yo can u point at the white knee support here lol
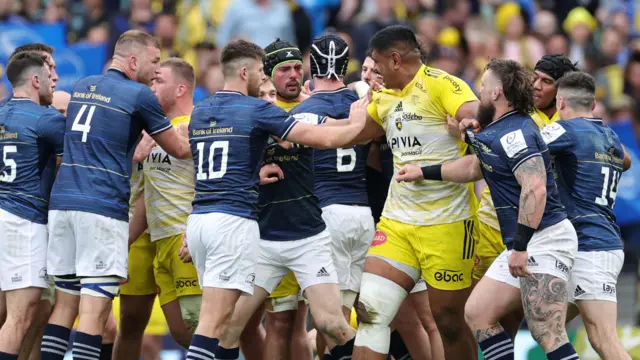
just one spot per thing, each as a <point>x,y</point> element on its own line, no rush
<point>381,299</point>
<point>106,287</point>
<point>190,308</point>
<point>348,298</point>
<point>68,284</point>
<point>285,303</point>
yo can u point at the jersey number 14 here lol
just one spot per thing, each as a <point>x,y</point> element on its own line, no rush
<point>611,189</point>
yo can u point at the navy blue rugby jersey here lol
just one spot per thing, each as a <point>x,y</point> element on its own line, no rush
<point>30,138</point>
<point>228,134</point>
<point>501,148</point>
<point>588,159</point>
<point>105,118</point>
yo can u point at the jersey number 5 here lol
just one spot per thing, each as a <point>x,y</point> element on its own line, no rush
<point>8,163</point>
<point>83,128</point>
<point>606,188</point>
<point>341,153</point>
<point>220,145</point>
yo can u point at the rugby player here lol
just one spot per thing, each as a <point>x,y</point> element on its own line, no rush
<point>229,133</point>
<point>89,202</point>
<point>589,160</point>
<point>426,228</point>
<point>541,242</point>
<point>25,193</point>
<point>287,312</point>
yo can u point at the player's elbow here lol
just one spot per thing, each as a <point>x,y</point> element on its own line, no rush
<point>626,164</point>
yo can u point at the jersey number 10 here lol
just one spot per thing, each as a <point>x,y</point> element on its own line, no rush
<point>606,188</point>
<point>211,174</point>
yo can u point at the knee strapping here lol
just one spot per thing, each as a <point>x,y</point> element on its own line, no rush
<point>379,302</point>
<point>69,284</point>
<point>285,303</point>
<point>348,298</point>
<point>106,287</point>
<point>190,309</point>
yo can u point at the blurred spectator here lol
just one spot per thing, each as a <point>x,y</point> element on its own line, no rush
<point>301,25</point>
<point>545,24</point>
<point>85,16</point>
<point>31,10</point>
<point>558,43</point>
<point>580,25</point>
<point>609,75</point>
<point>427,29</point>
<point>213,79</point>
<point>165,31</point>
<point>259,21</point>
<point>455,12</point>
<point>199,21</point>
<point>55,11</point>
<point>632,76</point>
<point>139,16</point>
<point>384,16</point>
<point>518,44</point>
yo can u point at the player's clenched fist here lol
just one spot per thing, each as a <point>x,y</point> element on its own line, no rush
<point>410,173</point>
<point>469,123</point>
<point>518,264</point>
<point>270,173</point>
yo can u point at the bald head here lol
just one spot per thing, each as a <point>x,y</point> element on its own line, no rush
<point>61,101</point>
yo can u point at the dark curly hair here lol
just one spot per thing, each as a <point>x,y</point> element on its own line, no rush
<point>517,84</point>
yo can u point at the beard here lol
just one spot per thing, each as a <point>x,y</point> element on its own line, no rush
<point>486,114</point>
<point>253,87</point>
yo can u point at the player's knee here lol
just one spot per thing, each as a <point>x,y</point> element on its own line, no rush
<point>281,323</point>
<point>104,287</point>
<point>601,336</point>
<point>471,313</point>
<point>377,306</point>
<point>190,310</point>
<point>69,284</point>
<point>450,324</point>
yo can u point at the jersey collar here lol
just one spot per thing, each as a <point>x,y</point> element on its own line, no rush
<point>594,119</point>
<point>19,98</point>
<point>330,91</point>
<point>118,71</point>
<point>504,116</point>
<point>228,92</point>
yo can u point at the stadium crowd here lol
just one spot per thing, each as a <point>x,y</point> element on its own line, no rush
<point>394,87</point>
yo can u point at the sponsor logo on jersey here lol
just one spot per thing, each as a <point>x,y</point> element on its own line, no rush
<point>420,87</point>
<point>404,141</point>
<point>186,283</point>
<point>562,267</point>
<point>224,277</point>
<point>322,272</point>
<point>448,275</point>
<point>16,278</point>
<point>456,87</point>
<point>531,261</point>
<point>578,292</point>
<point>7,135</point>
<point>609,289</point>
<point>379,238</point>
<point>399,124</point>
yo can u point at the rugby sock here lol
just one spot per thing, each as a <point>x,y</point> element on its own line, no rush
<point>86,346</point>
<point>498,347</point>
<point>340,352</point>
<point>202,348</point>
<point>564,352</point>
<point>5,356</point>
<point>106,351</point>
<point>227,354</point>
<point>55,342</point>
<point>398,349</point>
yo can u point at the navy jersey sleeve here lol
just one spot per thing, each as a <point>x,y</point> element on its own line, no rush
<point>558,140</point>
<point>51,127</point>
<point>153,118</point>
<point>518,146</point>
<point>274,120</point>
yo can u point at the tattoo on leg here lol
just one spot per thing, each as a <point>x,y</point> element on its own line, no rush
<point>544,299</point>
<point>484,334</point>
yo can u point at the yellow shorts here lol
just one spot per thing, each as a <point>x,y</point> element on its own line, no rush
<point>140,280</point>
<point>174,277</point>
<point>353,319</point>
<point>444,254</point>
<point>288,286</point>
<point>157,323</point>
<point>489,246</point>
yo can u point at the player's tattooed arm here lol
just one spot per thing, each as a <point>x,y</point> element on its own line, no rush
<point>544,298</point>
<point>532,177</point>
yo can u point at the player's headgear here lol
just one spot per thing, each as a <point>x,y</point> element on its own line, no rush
<point>329,56</point>
<point>278,52</point>
<point>555,65</point>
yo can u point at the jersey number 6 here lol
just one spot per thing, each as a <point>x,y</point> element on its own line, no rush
<point>220,145</point>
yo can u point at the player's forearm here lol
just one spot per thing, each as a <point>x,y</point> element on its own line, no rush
<point>144,147</point>
<point>138,222</point>
<point>532,177</point>
<point>340,136</point>
<point>463,170</point>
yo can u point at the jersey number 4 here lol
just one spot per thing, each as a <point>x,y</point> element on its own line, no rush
<point>612,189</point>
<point>83,128</point>
<point>9,164</point>
<point>222,146</point>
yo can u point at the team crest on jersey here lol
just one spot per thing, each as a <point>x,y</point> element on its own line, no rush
<point>399,124</point>
<point>92,88</point>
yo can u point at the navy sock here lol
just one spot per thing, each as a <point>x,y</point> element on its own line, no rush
<point>340,351</point>
<point>106,351</point>
<point>202,348</point>
<point>6,356</point>
<point>55,342</point>
<point>87,346</point>
<point>498,347</point>
<point>227,354</point>
<point>564,352</point>
<point>398,349</point>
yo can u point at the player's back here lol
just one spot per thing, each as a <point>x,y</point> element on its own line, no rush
<point>106,116</point>
<point>30,138</point>
<point>502,147</point>
<point>228,135</point>
<point>340,173</point>
<point>588,156</point>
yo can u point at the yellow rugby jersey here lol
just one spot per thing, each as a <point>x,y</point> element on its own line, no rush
<point>486,211</point>
<point>169,187</point>
<point>415,122</point>
<point>287,105</point>
<point>137,185</point>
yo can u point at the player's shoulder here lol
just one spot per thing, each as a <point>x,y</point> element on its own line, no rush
<point>51,113</point>
<point>438,77</point>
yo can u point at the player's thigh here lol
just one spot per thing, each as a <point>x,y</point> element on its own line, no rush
<point>552,251</point>
<point>594,276</point>
<point>488,246</point>
<point>599,316</point>
<point>140,279</point>
<point>311,261</point>
<point>490,300</point>
<point>61,251</point>
<point>101,246</point>
<point>272,269</point>
<point>225,249</point>
<point>446,253</point>
<point>23,259</point>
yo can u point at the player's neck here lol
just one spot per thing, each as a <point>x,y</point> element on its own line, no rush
<point>501,109</point>
<point>22,93</point>
<point>406,76</point>
<point>118,65</point>
<point>550,111</point>
<point>567,114</point>
<point>283,99</point>
<point>327,85</point>
<point>180,109</point>
<point>237,86</point>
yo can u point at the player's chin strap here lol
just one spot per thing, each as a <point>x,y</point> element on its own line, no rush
<point>331,59</point>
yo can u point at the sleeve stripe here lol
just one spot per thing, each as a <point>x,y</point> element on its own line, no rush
<point>286,132</point>
<point>161,130</point>
<point>525,159</point>
<point>322,120</point>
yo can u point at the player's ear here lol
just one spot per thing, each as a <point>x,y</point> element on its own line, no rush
<point>133,62</point>
<point>35,81</point>
<point>243,73</point>
<point>180,90</point>
<point>593,106</point>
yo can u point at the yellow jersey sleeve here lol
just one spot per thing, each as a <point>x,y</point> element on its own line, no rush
<point>372,108</point>
<point>487,211</point>
<point>451,92</point>
<point>137,185</point>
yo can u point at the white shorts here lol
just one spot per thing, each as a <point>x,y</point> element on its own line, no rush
<point>595,274</point>
<point>87,245</point>
<point>551,251</point>
<point>310,260</point>
<point>352,230</point>
<point>224,249</point>
<point>420,285</point>
<point>23,253</point>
